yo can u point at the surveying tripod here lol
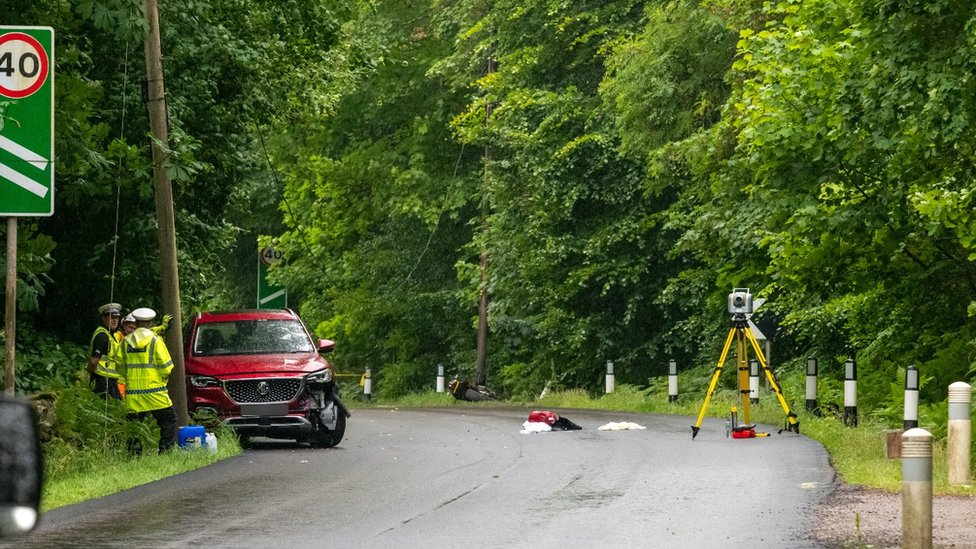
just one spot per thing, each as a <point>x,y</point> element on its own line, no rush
<point>741,333</point>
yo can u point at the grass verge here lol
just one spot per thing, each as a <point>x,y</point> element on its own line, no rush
<point>102,472</point>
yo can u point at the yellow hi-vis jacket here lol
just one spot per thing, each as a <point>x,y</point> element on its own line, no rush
<point>144,364</point>
<point>106,362</point>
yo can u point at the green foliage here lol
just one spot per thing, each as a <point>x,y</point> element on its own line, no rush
<point>403,378</point>
<point>44,361</point>
<point>34,261</point>
<point>621,166</point>
<point>377,204</point>
<point>668,82</point>
<point>82,419</point>
<point>830,118</point>
<point>523,382</point>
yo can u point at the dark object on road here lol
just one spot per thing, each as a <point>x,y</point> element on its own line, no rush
<point>260,372</point>
<point>462,390</point>
<point>563,424</point>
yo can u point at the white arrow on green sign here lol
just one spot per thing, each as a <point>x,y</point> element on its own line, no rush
<point>26,121</point>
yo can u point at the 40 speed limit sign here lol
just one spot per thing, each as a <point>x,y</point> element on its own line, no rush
<point>26,121</point>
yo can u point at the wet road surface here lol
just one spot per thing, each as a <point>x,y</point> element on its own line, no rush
<point>465,477</point>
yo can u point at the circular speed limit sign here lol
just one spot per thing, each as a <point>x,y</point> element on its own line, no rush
<point>270,256</point>
<point>23,65</point>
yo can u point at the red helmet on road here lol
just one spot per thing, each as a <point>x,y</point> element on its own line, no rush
<point>543,416</point>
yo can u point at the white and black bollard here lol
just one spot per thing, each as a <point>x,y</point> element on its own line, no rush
<point>440,378</point>
<point>911,397</point>
<point>916,489</point>
<point>850,393</point>
<point>960,433</point>
<point>368,385</point>
<point>672,381</point>
<point>609,377</point>
<point>753,381</point>
<point>811,384</point>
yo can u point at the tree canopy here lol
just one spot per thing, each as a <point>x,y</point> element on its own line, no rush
<point>621,164</point>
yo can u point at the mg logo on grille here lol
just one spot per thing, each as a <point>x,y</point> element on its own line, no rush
<point>263,388</point>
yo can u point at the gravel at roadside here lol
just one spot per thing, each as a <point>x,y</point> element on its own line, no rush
<point>953,519</point>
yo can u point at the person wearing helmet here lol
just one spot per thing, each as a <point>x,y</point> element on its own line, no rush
<point>128,326</point>
<point>144,365</point>
<point>101,352</point>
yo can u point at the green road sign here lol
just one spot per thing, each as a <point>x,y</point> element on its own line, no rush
<point>269,295</point>
<point>26,121</point>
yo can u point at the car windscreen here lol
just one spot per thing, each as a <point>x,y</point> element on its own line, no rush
<point>251,337</point>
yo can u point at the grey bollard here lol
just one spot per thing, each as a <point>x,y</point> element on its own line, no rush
<point>368,385</point>
<point>753,380</point>
<point>850,393</point>
<point>911,397</point>
<point>672,381</point>
<point>811,384</point>
<point>916,489</point>
<point>960,433</point>
<point>609,377</point>
<point>440,378</point>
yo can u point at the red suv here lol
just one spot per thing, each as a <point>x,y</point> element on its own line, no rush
<point>259,372</point>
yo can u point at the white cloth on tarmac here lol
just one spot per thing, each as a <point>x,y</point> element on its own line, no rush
<point>530,427</point>
<point>620,426</point>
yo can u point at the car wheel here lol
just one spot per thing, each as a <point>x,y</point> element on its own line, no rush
<point>339,431</point>
<point>329,438</point>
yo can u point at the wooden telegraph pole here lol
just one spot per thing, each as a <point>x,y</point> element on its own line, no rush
<point>169,271</point>
<point>481,356</point>
<point>10,314</point>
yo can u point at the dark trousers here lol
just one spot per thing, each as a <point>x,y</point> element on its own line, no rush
<point>107,387</point>
<point>166,419</point>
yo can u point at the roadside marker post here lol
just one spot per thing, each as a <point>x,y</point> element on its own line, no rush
<point>811,384</point>
<point>960,433</point>
<point>911,397</point>
<point>368,385</point>
<point>850,393</point>
<point>916,489</point>
<point>753,381</point>
<point>672,381</point>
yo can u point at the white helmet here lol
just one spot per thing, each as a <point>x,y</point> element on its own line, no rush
<point>144,314</point>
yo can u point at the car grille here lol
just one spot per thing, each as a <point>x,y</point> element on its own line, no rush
<point>278,389</point>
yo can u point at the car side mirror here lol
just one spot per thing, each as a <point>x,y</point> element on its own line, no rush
<point>21,467</point>
<point>326,346</point>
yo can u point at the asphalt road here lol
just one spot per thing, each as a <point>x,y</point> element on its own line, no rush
<point>465,477</point>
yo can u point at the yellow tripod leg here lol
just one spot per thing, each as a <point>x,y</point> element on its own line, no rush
<point>792,423</point>
<point>712,383</point>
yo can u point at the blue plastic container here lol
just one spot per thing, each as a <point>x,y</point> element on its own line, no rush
<point>192,436</point>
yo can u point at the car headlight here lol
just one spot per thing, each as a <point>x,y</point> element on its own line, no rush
<point>203,381</point>
<point>322,376</point>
